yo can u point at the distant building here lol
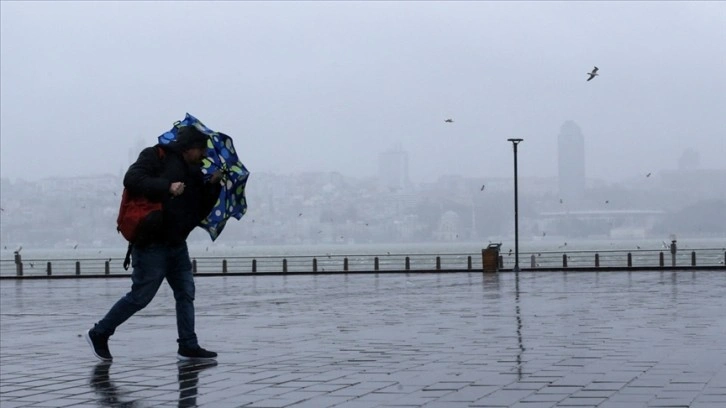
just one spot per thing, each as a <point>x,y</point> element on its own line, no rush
<point>448,229</point>
<point>571,163</point>
<point>690,160</point>
<point>393,169</point>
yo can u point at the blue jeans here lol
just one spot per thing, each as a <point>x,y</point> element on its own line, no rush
<point>151,264</point>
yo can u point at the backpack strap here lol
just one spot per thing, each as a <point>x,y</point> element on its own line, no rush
<point>127,260</point>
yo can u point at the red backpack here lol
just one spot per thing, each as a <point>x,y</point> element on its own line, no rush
<point>133,211</point>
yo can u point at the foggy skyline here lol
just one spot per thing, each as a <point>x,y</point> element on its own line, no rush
<point>328,86</point>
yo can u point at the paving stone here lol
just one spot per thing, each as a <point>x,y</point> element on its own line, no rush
<point>544,339</point>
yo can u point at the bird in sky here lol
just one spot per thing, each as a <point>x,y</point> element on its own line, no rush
<point>449,120</point>
<point>482,187</point>
<point>593,74</point>
<point>647,175</point>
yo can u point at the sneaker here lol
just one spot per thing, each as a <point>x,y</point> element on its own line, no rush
<point>99,345</point>
<point>197,353</point>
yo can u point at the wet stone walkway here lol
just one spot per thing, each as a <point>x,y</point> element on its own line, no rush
<point>532,340</point>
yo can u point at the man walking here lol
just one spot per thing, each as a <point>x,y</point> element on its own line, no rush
<point>173,178</point>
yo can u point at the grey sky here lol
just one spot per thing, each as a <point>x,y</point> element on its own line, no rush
<point>329,85</point>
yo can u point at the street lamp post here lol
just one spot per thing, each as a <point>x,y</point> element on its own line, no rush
<point>515,142</point>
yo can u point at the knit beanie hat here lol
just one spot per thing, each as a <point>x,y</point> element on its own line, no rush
<point>189,137</point>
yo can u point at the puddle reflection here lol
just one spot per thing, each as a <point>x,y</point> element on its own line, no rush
<point>188,380</point>
<point>518,314</point>
<point>113,396</point>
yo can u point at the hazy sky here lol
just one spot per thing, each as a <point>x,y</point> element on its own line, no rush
<point>329,85</point>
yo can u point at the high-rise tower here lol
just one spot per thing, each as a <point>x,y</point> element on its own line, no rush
<point>393,168</point>
<point>571,163</point>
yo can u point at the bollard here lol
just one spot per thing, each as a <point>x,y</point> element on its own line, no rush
<point>468,263</point>
<point>532,262</point>
<point>224,266</point>
<point>107,268</point>
<point>18,264</point>
<point>254,265</point>
<point>375,264</point>
<point>662,259</point>
<point>630,260</point>
<point>564,260</point>
<point>674,249</point>
<point>284,265</point>
<point>597,260</point>
<point>345,264</point>
<point>408,263</point>
<point>78,267</point>
<point>194,266</point>
<point>48,268</point>
<point>315,264</point>
<point>501,262</point>
<point>438,263</point>
<point>693,258</point>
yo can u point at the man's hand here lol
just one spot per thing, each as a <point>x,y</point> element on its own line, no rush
<point>216,176</point>
<point>176,188</point>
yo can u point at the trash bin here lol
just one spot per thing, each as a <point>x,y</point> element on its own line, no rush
<point>490,258</point>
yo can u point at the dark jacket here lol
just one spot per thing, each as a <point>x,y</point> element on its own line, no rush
<point>152,176</point>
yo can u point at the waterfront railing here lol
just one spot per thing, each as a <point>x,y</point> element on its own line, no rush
<point>702,258</point>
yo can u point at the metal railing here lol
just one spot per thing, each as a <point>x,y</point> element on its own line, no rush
<point>705,258</point>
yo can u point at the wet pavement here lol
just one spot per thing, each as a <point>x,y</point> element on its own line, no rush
<point>536,339</point>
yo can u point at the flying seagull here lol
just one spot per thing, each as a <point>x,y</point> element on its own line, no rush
<point>593,74</point>
<point>449,120</point>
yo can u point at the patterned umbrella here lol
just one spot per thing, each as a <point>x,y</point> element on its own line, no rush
<point>221,155</point>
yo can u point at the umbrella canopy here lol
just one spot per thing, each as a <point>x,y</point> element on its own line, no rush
<point>221,156</point>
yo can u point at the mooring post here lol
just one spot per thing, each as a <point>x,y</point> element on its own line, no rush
<point>18,264</point>
<point>673,252</point>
